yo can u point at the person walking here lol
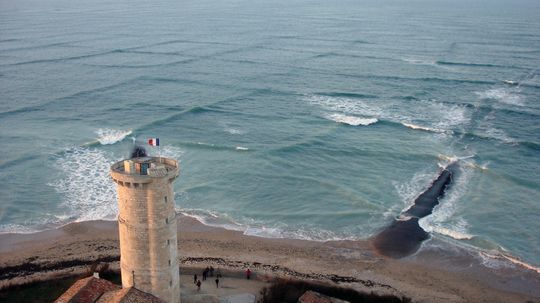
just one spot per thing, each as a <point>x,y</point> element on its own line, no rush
<point>217,282</point>
<point>248,274</point>
<point>198,285</point>
<point>211,271</point>
<point>205,274</point>
<point>195,279</point>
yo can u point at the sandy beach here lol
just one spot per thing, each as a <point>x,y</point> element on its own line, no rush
<point>439,274</point>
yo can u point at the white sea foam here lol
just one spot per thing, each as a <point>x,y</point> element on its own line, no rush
<point>417,61</point>
<point>18,228</point>
<point>242,148</point>
<point>205,144</point>
<point>465,161</point>
<point>494,260</point>
<point>487,129</point>
<point>253,228</point>
<point>351,120</point>
<point>456,234</point>
<point>110,136</point>
<point>447,160</point>
<point>86,185</point>
<point>403,218</point>
<point>212,218</point>
<point>264,232</point>
<point>517,261</point>
<point>346,105</point>
<point>448,116</point>
<point>281,231</point>
<point>424,128</point>
<point>234,131</point>
<point>508,95</point>
<point>425,115</point>
<point>500,135</point>
<point>170,151</point>
<point>511,82</point>
<point>442,220</point>
<point>411,189</point>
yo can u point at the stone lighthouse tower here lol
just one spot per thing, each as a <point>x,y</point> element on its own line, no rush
<point>147,225</point>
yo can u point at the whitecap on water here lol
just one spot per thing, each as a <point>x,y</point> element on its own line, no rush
<point>345,105</point>
<point>448,116</point>
<point>424,128</point>
<point>425,115</point>
<point>89,193</point>
<point>87,188</point>
<point>504,95</point>
<point>170,151</point>
<point>351,120</point>
<point>234,131</point>
<point>108,136</point>
<point>500,135</point>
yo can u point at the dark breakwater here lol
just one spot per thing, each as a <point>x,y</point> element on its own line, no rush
<point>404,235</point>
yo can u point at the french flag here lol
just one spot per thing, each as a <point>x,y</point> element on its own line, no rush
<point>153,141</point>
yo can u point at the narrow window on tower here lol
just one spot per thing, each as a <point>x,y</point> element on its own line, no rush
<point>167,221</point>
<point>169,262</point>
<point>168,242</point>
<point>170,283</point>
<point>165,199</point>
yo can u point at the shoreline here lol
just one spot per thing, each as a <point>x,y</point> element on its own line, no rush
<point>438,272</point>
<point>445,240</point>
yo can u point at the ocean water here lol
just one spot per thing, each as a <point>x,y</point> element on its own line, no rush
<point>300,119</point>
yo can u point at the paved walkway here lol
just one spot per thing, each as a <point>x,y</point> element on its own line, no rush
<point>228,286</point>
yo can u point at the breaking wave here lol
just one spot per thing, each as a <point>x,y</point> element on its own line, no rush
<point>108,136</point>
<point>443,220</point>
<point>87,190</point>
<point>272,231</point>
<point>434,116</point>
<point>424,128</point>
<point>351,120</point>
<point>86,185</point>
<point>410,190</point>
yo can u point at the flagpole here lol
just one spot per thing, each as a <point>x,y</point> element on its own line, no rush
<point>159,152</point>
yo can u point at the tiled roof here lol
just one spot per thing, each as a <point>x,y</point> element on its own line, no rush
<point>95,290</point>
<point>86,290</point>
<point>128,295</point>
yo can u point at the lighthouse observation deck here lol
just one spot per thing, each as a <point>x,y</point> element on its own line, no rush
<point>143,170</point>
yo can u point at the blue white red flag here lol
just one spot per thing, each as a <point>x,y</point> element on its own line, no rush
<point>153,141</point>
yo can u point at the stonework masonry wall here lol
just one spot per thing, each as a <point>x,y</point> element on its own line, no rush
<point>148,234</point>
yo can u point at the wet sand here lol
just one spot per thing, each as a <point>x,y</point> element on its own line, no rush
<point>438,273</point>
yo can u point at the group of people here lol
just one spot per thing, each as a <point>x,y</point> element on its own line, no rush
<point>207,272</point>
